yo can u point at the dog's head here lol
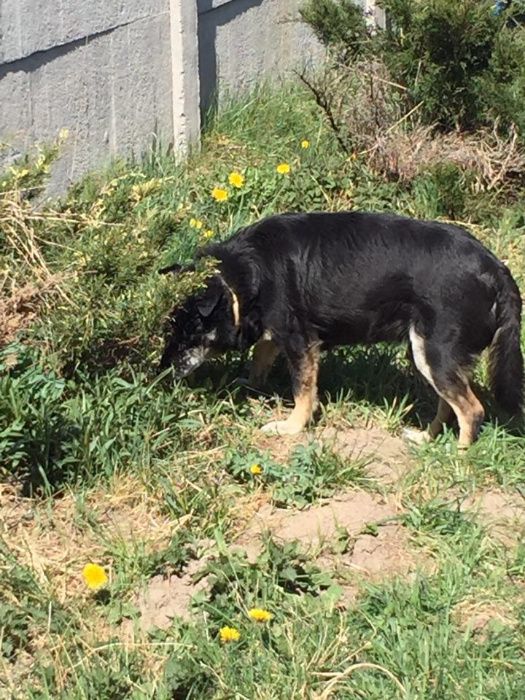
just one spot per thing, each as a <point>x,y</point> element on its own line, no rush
<point>207,323</point>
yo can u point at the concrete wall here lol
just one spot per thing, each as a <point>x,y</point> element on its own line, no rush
<point>120,73</point>
<point>243,41</point>
<point>101,68</point>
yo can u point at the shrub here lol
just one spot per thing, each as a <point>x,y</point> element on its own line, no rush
<point>442,51</point>
<point>371,118</point>
<point>340,25</point>
<point>460,62</point>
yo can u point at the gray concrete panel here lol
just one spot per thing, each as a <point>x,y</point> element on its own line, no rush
<point>120,73</point>
<point>113,94</point>
<point>245,41</point>
<point>28,26</point>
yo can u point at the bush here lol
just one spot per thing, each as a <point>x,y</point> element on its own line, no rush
<point>337,24</point>
<point>503,86</point>
<point>370,117</point>
<point>460,62</point>
<point>442,51</point>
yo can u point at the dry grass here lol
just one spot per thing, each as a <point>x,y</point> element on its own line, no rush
<point>405,154</point>
<point>55,539</point>
<point>22,293</point>
<point>476,613</point>
<point>19,304</point>
<point>367,113</point>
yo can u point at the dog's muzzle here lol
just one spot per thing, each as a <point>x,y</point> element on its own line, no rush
<point>186,362</point>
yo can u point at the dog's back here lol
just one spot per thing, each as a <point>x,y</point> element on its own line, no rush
<point>362,278</point>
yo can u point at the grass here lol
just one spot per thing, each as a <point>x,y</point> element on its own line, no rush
<point>102,460</point>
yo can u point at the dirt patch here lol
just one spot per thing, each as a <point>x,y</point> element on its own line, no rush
<point>168,597</point>
<point>381,550</point>
<point>496,505</point>
<point>385,455</point>
<point>387,459</point>
<point>502,513</point>
<point>378,545</point>
<point>388,553</point>
<point>319,523</point>
<point>477,616</point>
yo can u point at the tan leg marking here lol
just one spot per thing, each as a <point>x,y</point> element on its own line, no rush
<point>265,353</point>
<point>461,400</point>
<point>305,397</point>
<point>443,414</point>
<point>469,412</point>
<point>420,437</point>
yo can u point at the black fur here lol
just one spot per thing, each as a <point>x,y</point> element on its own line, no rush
<point>353,277</point>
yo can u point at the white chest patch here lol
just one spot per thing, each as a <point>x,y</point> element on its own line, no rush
<point>418,350</point>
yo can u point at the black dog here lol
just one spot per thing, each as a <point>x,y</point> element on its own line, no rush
<point>297,283</point>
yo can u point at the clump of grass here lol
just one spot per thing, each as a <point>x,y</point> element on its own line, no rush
<point>311,472</point>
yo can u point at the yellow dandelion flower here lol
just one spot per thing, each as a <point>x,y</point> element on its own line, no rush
<point>236,179</point>
<point>219,195</point>
<point>94,576</point>
<point>256,469</point>
<point>208,233</point>
<point>229,634</point>
<point>196,224</point>
<point>283,168</point>
<point>305,144</point>
<point>260,615</point>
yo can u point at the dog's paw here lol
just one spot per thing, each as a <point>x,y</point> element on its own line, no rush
<point>416,437</point>
<point>281,427</point>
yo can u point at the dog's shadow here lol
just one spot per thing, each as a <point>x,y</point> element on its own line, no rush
<point>379,376</point>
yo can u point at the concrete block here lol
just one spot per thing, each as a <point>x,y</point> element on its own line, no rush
<point>29,26</point>
<point>112,93</point>
<point>242,42</point>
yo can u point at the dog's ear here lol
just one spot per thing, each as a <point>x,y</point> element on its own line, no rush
<point>176,268</point>
<point>208,301</point>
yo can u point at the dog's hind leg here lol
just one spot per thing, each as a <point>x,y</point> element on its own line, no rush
<point>468,410</point>
<point>419,437</point>
<point>304,370</point>
<point>443,413</point>
<point>265,353</point>
<point>436,363</point>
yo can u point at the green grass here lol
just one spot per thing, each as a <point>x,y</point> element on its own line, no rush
<point>103,460</point>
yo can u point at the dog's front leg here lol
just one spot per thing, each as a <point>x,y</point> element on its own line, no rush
<point>265,353</point>
<point>303,369</point>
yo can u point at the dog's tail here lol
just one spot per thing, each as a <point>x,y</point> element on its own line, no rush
<point>505,357</point>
